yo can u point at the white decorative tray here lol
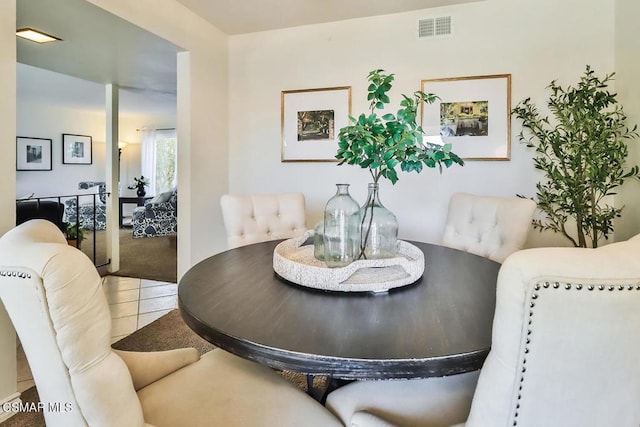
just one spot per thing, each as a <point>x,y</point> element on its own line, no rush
<point>296,263</point>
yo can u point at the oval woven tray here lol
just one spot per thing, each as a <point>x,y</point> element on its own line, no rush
<point>296,263</point>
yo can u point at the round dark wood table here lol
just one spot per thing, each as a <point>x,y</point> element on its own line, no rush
<point>441,325</point>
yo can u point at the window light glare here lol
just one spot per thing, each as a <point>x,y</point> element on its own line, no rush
<point>35,35</point>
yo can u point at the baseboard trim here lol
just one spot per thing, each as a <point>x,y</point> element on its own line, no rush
<point>13,399</point>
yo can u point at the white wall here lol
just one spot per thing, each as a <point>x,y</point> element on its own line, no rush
<point>43,114</point>
<point>534,41</point>
<point>40,120</point>
<point>628,87</point>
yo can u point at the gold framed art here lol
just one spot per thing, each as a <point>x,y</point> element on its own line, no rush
<point>311,121</point>
<point>473,114</point>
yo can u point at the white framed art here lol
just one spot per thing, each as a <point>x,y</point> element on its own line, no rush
<point>33,154</point>
<point>311,121</point>
<point>76,149</point>
<point>473,114</point>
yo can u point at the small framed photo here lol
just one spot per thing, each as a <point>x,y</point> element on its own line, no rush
<point>473,114</point>
<point>33,154</point>
<point>76,149</point>
<point>311,121</point>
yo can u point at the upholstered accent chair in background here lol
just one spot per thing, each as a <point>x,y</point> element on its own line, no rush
<point>257,218</point>
<point>564,352</point>
<point>54,297</point>
<point>91,208</point>
<point>158,217</point>
<point>492,227</point>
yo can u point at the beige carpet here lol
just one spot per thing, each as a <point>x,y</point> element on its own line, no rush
<point>152,258</point>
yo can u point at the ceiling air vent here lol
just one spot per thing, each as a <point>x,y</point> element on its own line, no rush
<point>439,26</point>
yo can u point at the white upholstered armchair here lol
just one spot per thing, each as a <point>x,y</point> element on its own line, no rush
<point>54,298</point>
<point>492,227</point>
<point>564,352</point>
<point>257,218</point>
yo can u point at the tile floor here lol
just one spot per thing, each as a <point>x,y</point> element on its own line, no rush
<point>133,302</point>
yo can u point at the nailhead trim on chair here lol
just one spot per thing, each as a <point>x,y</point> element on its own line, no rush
<point>19,274</point>
<point>534,296</point>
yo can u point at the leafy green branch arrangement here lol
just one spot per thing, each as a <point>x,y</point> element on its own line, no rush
<point>582,155</point>
<point>382,143</point>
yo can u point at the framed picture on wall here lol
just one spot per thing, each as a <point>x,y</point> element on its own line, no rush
<point>473,114</point>
<point>33,154</point>
<point>311,121</point>
<point>76,149</point>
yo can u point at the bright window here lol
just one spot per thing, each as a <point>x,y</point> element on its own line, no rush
<point>166,161</point>
<point>159,159</point>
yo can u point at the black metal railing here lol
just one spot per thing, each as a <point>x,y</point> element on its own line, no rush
<point>56,210</point>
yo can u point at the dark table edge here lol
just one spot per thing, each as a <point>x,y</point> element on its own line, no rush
<point>336,367</point>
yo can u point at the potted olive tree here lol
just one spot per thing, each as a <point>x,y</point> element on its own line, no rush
<point>582,153</point>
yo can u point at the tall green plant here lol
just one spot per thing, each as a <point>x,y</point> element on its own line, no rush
<point>380,144</point>
<point>582,155</point>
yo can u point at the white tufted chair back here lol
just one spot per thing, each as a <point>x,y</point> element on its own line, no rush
<point>260,217</point>
<point>50,310</point>
<point>565,340</point>
<point>492,227</point>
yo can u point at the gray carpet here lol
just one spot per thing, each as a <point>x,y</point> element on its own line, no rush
<point>152,258</point>
<point>166,333</point>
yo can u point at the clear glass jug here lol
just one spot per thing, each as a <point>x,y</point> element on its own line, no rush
<point>379,229</point>
<point>341,228</point>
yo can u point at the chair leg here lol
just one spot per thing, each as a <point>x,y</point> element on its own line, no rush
<point>330,384</point>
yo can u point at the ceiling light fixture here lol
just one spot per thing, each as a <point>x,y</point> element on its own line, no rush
<point>36,36</point>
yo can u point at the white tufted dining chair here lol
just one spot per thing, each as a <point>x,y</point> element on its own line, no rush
<point>55,300</point>
<point>492,227</point>
<point>254,218</point>
<point>564,352</point>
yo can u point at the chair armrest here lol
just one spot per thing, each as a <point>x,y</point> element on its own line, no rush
<point>162,206</point>
<point>138,213</point>
<point>148,367</point>
<point>367,419</point>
